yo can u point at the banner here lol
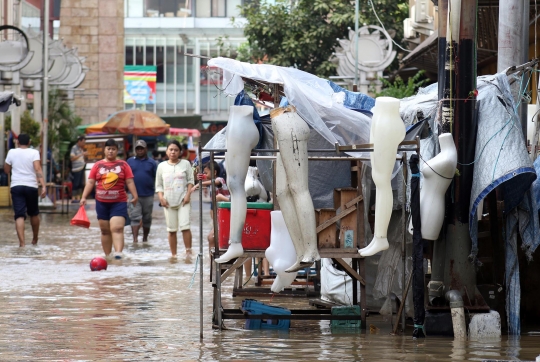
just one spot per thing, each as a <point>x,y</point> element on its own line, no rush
<point>139,84</point>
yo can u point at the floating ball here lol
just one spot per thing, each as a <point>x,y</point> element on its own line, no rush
<point>98,263</point>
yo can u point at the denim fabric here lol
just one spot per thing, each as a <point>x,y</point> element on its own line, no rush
<point>106,210</point>
<point>242,99</point>
<point>536,183</point>
<point>353,100</point>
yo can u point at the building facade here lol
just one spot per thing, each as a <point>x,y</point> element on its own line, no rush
<point>163,34</point>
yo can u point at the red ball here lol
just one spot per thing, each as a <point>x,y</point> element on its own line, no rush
<point>98,263</point>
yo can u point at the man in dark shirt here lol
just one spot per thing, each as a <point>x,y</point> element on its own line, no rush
<point>144,172</point>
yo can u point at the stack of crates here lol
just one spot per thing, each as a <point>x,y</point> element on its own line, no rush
<point>253,307</point>
<point>346,310</point>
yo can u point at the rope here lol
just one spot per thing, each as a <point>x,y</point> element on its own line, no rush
<point>194,272</point>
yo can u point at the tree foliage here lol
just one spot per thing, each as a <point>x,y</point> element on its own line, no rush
<point>399,89</point>
<point>304,33</point>
<point>63,121</point>
<point>28,126</point>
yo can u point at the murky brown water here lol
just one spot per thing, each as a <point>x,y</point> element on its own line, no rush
<point>54,308</point>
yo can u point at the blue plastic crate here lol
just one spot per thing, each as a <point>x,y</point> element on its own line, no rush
<point>253,307</point>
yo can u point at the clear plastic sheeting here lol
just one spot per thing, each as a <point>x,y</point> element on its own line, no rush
<point>312,96</point>
<point>389,273</point>
<point>337,286</point>
<point>6,98</point>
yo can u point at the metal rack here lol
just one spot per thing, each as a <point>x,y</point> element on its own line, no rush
<point>266,92</point>
<point>356,272</point>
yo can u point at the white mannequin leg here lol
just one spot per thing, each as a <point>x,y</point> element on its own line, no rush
<point>387,132</point>
<point>280,253</point>
<point>292,134</point>
<point>242,137</point>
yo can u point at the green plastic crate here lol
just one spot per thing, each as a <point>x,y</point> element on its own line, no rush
<point>250,205</point>
<point>346,310</point>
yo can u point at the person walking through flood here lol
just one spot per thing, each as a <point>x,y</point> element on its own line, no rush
<point>111,176</point>
<point>77,157</point>
<point>24,165</point>
<point>144,172</point>
<point>174,181</point>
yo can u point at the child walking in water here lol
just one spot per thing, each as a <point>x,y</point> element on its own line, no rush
<point>222,192</point>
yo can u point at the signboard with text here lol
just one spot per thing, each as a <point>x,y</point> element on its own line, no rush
<point>140,84</point>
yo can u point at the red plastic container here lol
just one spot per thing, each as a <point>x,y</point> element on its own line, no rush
<point>256,235</point>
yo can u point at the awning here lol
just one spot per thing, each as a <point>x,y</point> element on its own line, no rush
<point>184,132</point>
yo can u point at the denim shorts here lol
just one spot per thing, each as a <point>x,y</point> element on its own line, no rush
<point>106,210</point>
<point>25,201</point>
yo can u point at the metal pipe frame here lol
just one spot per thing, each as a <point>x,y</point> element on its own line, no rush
<point>219,313</point>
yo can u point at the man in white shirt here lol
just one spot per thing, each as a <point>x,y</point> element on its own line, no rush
<point>25,167</point>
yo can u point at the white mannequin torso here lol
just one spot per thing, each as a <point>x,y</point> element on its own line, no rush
<point>434,187</point>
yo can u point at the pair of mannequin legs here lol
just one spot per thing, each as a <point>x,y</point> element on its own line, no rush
<point>292,192</point>
<point>292,134</point>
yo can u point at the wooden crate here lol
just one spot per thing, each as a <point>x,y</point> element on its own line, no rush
<point>347,230</point>
<point>5,196</point>
<point>327,238</point>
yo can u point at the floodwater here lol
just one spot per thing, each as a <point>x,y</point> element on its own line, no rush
<point>146,307</point>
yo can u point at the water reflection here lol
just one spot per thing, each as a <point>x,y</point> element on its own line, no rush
<point>141,307</point>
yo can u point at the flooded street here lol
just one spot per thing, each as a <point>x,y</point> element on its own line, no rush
<point>142,308</point>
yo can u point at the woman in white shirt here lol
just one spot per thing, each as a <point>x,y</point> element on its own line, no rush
<point>174,180</point>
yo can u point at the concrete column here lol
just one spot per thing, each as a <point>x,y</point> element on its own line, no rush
<point>197,77</point>
<point>513,46</point>
<point>96,29</point>
<point>2,140</point>
<point>37,107</point>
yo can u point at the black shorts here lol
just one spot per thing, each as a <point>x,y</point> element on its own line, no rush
<point>78,180</point>
<point>25,201</point>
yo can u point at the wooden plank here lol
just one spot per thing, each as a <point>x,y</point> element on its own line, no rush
<point>326,238</point>
<point>348,228</point>
<point>239,262</point>
<point>349,270</point>
<point>354,201</point>
<point>331,221</point>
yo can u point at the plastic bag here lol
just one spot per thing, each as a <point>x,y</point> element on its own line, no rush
<point>80,218</point>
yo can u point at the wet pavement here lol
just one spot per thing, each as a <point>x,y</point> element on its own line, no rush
<point>144,307</point>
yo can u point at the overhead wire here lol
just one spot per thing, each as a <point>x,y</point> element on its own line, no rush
<point>382,25</point>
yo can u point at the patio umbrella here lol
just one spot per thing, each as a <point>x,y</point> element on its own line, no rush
<point>136,122</point>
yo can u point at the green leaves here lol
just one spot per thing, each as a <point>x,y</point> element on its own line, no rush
<point>399,89</point>
<point>304,35</point>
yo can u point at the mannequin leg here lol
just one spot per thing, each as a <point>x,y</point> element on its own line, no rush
<point>382,219</point>
<point>292,134</point>
<point>288,209</point>
<point>242,137</point>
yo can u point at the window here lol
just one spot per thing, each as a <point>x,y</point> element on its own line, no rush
<point>218,8</point>
<point>158,8</point>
